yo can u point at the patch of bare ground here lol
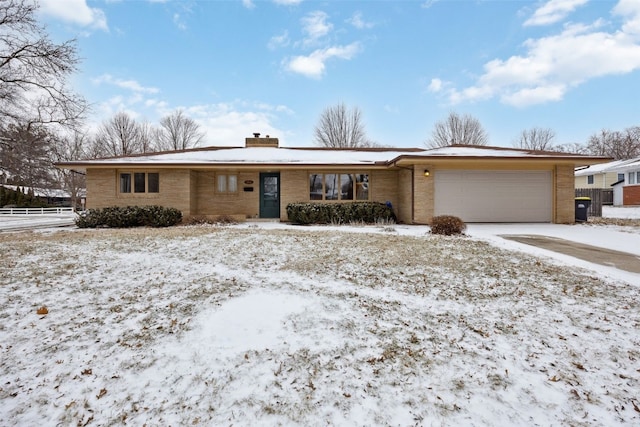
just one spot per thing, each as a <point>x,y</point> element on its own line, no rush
<point>622,222</point>
<point>400,330</point>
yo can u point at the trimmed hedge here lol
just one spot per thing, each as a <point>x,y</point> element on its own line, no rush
<point>339,213</point>
<point>129,216</point>
<point>447,225</point>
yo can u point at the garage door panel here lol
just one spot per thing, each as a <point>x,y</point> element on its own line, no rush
<point>494,196</point>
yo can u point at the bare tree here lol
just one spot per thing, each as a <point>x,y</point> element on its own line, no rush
<point>456,129</point>
<point>34,70</point>
<point>340,127</point>
<point>71,147</point>
<point>572,148</point>
<point>536,139</point>
<point>616,144</point>
<point>148,136</point>
<point>119,136</point>
<point>178,132</point>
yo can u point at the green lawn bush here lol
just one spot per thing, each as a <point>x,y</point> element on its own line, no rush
<point>129,216</point>
<point>340,213</point>
<point>447,225</point>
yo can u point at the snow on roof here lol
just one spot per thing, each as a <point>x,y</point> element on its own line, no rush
<point>258,155</point>
<point>604,167</point>
<point>313,156</point>
<point>629,165</point>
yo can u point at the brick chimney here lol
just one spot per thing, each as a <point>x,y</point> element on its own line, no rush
<point>256,141</point>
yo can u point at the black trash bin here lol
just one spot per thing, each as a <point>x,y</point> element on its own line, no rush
<point>582,206</point>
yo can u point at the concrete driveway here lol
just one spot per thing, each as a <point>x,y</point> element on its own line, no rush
<point>597,255</point>
<point>601,248</point>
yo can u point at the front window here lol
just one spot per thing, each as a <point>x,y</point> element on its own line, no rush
<point>140,181</point>
<point>589,179</point>
<point>632,177</point>
<point>338,186</point>
<point>226,183</point>
<point>125,183</point>
<point>362,187</point>
<point>620,177</point>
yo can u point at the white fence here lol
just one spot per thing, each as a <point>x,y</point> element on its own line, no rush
<point>36,211</point>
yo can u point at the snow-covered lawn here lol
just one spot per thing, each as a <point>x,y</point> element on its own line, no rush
<point>251,325</point>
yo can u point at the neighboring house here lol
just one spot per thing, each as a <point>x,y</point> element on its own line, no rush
<point>631,186</point>
<point>602,175</point>
<point>478,184</point>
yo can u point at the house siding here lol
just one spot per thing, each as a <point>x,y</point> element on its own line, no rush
<point>294,188</point>
<point>404,208</point>
<point>175,186</point>
<point>600,180</point>
<point>424,190</point>
<point>241,204</point>
<point>564,191</point>
<point>631,195</point>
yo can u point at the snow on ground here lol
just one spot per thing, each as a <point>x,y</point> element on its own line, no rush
<point>271,324</point>
<point>621,212</point>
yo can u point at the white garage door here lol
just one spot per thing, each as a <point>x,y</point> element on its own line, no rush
<point>494,196</point>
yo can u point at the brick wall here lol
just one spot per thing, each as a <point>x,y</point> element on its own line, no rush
<point>631,195</point>
<point>564,195</point>
<point>404,208</point>
<point>240,204</point>
<point>175,185</point>
<point>423,189</point>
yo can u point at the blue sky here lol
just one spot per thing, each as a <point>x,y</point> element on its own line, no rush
<point>273,66</point>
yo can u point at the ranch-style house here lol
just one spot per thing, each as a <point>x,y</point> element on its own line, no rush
<point>475,183</point>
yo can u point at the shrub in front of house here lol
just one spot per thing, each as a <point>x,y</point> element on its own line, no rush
<point>447,225</point>
<point>340,213</point>
<point>129,216</point>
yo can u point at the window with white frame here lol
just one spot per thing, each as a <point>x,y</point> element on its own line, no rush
<point>620,177</point>
<point>632,177</point>
<point>226,183</point>
<point>589,179</point>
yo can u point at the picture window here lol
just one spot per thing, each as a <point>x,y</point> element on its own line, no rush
<point>338,186</point>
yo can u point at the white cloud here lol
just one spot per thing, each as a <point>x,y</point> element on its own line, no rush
<point>313,65</point>
<point>555,64</point>
<point>287,2</point>
<point>435,85</point>
<point>554,11</point>
<point>76,12</point>
<point>357,21</point>
<point>228,124</point>
<point>427,4</point>
<point>281,40</point>
<point>248,4</point>
<point>315,25</point>
<point>537,95</point>
<point>131,85</point>
<point>179,21</point>
<point>631,10</point>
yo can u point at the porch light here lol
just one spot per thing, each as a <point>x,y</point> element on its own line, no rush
<point>427,173</point>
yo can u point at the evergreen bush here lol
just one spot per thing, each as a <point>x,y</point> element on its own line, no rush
<point>129,216</point>
<point>340,213</point>
<point>447,225</point>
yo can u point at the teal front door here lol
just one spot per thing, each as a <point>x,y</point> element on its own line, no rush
<point>270,195</point>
